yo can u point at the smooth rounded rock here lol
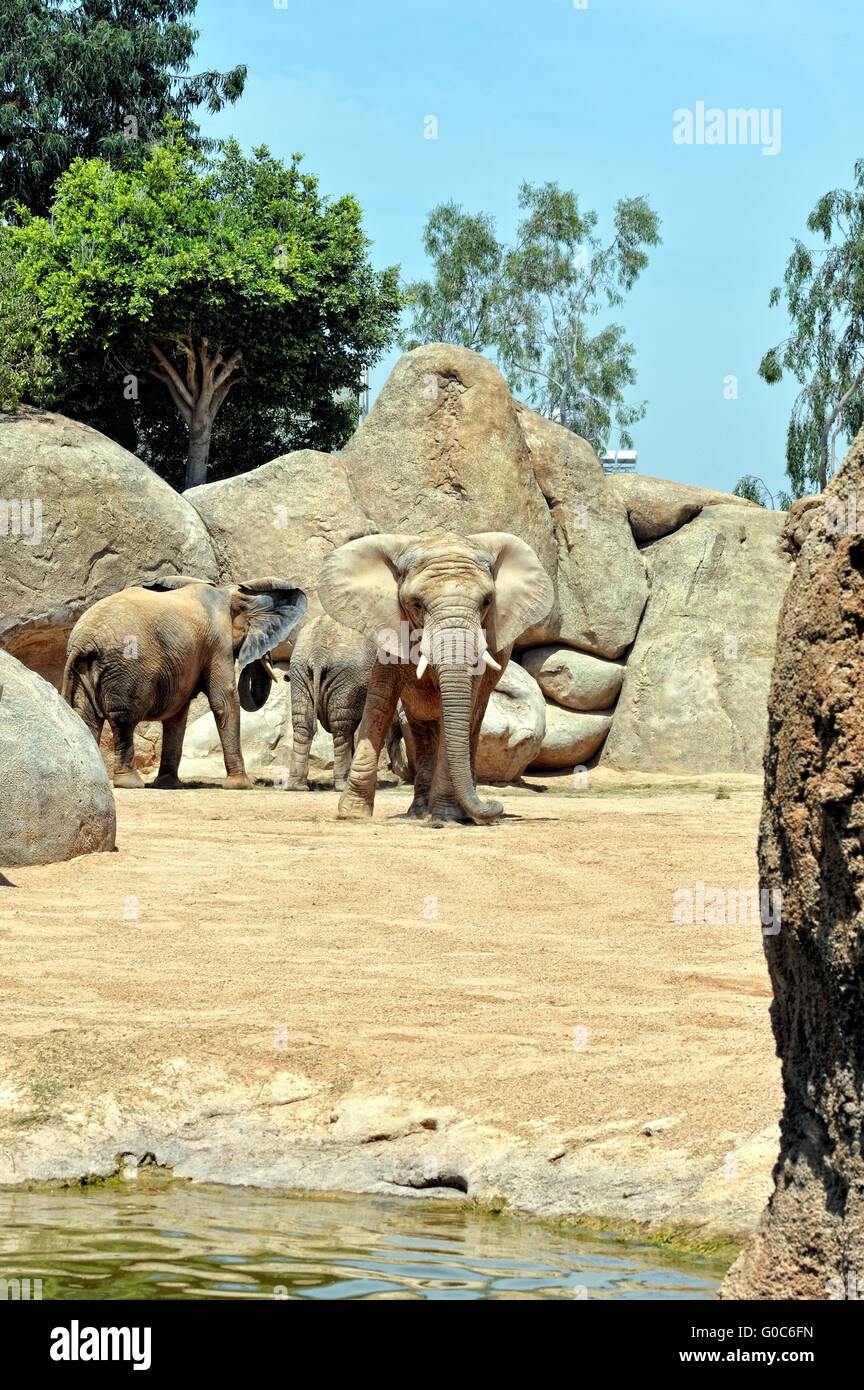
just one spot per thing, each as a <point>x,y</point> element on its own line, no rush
<point>513,728</point>
<point>55,798</point>
<point>577,680</point>
<point>572,737</point>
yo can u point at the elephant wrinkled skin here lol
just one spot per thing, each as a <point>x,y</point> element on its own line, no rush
<point>330,669</point>
<point>444,611</point>
<point>146,652</point>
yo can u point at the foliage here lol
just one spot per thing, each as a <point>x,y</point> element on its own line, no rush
<point>206,276</point>
<point>534,304</point>
<point>824,292</point>
<point>95,78</point>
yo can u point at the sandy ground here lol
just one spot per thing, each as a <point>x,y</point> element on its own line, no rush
<point>255,992</point>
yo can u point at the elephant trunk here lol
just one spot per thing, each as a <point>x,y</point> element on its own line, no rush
<point>456,676</point>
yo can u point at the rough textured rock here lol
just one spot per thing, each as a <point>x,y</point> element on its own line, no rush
<point>283,519</point>
<point>572,737</point>
<point>810,1243</point>
<point>799,519</point>
<point>574,679</point>
<point>514,727</point>
<point>446,445</point>
<point>695,691</point>
<point>656,506</point>
<point>265,736</point>
<point>104,521</point>
<point>55,798</point>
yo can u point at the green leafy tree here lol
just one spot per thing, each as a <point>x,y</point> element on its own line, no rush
<point>535,305</point>
<point>824,352</point>
<point>461,303</point>
<point>22,361</point>
<point>210,279</point>
<point>94,78</point>
<point>754,489</point>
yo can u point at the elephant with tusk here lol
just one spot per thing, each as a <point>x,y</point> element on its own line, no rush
<point>444,611</point>
<point>146,652</point>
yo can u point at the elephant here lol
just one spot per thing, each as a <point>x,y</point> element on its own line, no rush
<point>147,651</point>
<point>329,676</point>
<point>444,611</point>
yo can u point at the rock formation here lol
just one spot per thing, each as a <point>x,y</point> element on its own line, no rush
<point>810,1243</point>
<point>695,691</point>
<point>80,518</point>
<point>283,519</point>
<point>55,797</point>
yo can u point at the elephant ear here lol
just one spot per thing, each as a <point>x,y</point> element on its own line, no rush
<point>254,686</point>
<point>523,590</point>
<point>171,582</point>
<point>359,586</point>
<point>263,612</point>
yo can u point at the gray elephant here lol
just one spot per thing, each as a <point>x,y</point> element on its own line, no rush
<point>330,669</point>
<point>444,611</point>
<point>146,652</point>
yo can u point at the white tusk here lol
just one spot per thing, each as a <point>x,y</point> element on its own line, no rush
<point>265,662</point>
<point>490,661</point>
<point>421,666</point>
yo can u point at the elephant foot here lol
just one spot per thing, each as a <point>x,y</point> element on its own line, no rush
<point>296,785</point>
<point>418,810</point>
<point>340,785</point>
<point>129,778</point>
<point>353,807</point>
<point>449,811</point>
<point>167,781</point>
<point>238,781</point>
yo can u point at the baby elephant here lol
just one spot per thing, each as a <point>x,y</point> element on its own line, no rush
<point>146,652</point>
<point>330,668</point>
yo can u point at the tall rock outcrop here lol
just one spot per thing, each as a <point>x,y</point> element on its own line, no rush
<point>447,447</point>
<point>810,1243</point>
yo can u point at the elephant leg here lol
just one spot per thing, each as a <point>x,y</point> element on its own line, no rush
<point>303,731</point>
<point>125,772</point>
<point>426,741</point>
<point>358,799</point>
<point>221,692</point>
<point>172,750</point>
<point>343,749</point>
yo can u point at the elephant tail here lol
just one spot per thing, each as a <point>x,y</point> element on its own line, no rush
<point>316,693</point>
<point>75,674</point>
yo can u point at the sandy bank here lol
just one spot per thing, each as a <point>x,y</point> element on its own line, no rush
<point>256,993</point>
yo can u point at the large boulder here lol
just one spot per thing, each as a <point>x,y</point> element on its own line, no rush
<point>810,1243</point>
<point>656,506</point>
<point>80,519</point>
<point>55,797</point>
<point>574,679</point>
<point>284,519</point>
<point>513,728</point>
<point>446,446</point>
<point>572,738</point>
<point>695,691</point>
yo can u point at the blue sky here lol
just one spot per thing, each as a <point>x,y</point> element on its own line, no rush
<point>546,89</point>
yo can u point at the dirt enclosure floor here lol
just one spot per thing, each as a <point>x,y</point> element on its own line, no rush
<point>250,991</point>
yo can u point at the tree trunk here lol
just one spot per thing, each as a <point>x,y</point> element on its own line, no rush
<point>197,394</point>
<point>198,455</point>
